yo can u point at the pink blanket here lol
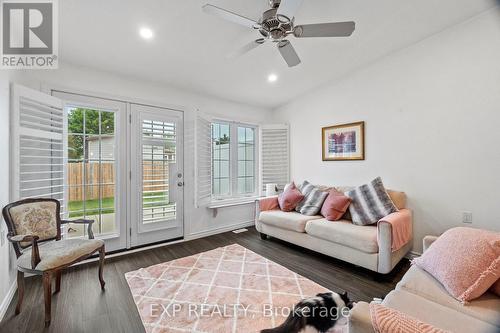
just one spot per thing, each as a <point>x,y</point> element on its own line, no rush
<point>269,203</point>
<point>387,320</point>
<point>401,228</point>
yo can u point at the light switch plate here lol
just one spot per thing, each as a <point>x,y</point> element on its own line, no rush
<point>467,217</point>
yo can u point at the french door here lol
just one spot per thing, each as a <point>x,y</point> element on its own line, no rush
<point>157,174</point>
<point>95,162</point>
<point>124,170</point>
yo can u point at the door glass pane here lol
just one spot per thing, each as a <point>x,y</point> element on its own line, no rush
<point>91,170</point>
<point>158,156</point>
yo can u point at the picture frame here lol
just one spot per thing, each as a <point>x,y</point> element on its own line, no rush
<point>345,142</point>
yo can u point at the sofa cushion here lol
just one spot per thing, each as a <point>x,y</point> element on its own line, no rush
<point>465,260</point>
<point>495,288</point>
<point>313,202</point>
<point>436,314</point>
<point>344,189</point>
<point>388,320</point>
<point>286,220</point>
<point>335,205</point>
<point>399,198</point>
<point>362,238</point>
<point>370,203</point>
<point>290,197</point>
<point>305,188</point>
<point>419,282</point>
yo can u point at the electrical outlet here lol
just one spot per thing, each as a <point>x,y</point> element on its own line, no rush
<point>466,217</point>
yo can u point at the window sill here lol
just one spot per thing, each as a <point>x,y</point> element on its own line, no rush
<point>215,205</point>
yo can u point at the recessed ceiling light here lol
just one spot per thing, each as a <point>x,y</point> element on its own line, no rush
<point>272,78</point>
<point>146,33</point>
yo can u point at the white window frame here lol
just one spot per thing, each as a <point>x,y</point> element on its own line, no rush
<point>233,161</point>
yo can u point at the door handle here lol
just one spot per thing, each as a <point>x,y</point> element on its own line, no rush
<point>180,184</point>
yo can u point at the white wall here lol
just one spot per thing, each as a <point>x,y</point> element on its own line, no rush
<point>198,222</point>
<point>7,263</point>
<point>432,114</point>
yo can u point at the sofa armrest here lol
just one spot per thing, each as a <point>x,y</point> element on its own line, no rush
<point>428,240</point>
<point>394,232</point>
<point>263,204</point>
<point>395,229</point>
<point>268,203</point>
<point>359,319</point>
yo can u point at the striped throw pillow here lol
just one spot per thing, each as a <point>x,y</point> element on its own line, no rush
<point>370,203</point>
<point>313,202</point>
<point>313,199</point>
<point>305,188</point>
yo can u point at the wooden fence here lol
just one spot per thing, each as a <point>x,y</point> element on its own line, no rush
<point>104,173</point>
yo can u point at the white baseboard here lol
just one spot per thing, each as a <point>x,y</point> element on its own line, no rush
<point>7,300</point>
<point>211,232</point>
<point>185,239</point>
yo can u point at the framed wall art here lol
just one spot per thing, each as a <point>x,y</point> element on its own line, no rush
<point>344,142</point>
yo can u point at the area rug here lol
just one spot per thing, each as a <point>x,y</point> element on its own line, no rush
<point>225,290</point>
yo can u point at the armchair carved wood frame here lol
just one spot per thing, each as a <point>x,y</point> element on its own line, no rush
<point>31,222</point>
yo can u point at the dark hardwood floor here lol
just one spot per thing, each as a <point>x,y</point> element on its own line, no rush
<point>82,307</point>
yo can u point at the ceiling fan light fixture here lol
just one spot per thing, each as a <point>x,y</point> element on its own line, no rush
<point>277,24</point>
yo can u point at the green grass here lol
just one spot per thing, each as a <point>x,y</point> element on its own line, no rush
<point>108,204</point>
<point>91,206</point>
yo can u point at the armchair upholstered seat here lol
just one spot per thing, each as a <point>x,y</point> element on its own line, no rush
<point>34,221</point>
<point>60,253</point>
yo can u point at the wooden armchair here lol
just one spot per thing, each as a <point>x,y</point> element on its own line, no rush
<point>31,222</point>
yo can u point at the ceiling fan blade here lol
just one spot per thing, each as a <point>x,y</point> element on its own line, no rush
<point>247,48</point>
<point>336,29</point>
<point>288,53</point>
<point>288,8</point>
<point>229,16</point>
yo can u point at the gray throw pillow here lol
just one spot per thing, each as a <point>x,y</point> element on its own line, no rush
<point>370,203</point>
<point>305,188</point>
<point>313,202</point>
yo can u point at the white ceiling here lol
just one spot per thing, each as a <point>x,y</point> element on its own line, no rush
<point>189,48</point>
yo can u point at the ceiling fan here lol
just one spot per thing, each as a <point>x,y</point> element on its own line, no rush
<point>277,24</point>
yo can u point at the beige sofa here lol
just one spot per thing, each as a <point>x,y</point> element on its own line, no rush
<point>365,246</point>
<point>421,296</point>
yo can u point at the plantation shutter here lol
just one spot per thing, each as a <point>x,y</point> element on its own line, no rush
<point>275,155</point>
<point>203,159</point>
<point>38,147</point>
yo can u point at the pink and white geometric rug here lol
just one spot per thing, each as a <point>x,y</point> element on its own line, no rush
<point>225,290</point>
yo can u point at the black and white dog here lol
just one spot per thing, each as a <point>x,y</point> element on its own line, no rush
<point>319,313</point>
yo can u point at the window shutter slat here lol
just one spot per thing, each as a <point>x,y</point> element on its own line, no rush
<point>38,145</point>
<point>159,152</point>
<point>275,156</point>
<point>203,159</point>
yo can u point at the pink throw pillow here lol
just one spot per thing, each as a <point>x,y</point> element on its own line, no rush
<point>335,205</point>
<point>465,260</point>
<point>289,199</point>
<point>387,320</point>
